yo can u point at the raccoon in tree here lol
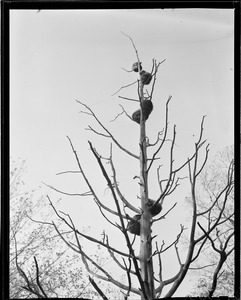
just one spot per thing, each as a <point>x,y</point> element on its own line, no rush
<point>147,108</point>
<point>145,77</point>
<point>135,67</point>
<point>154,209</point>
<point>134,226</point>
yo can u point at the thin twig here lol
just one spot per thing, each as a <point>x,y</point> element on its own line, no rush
<point>89,193</point>
<point>66,172</point>
<point>164,137</point>
<point>130,99</point>
<point>107,131</point>
<point>123,87</point>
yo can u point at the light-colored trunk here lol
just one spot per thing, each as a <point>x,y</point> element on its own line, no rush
<point>145,255</point>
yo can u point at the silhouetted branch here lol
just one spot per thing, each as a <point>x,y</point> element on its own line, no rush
<point>37,278</point>
<point>89,193</point>
<point>107,131</point>
<point>133,44</point>
<point>99,291</point>
<point>130,99</point>
<point>123,112</point>
<point>192,177</point>
<point>123,87</point>
<point>131,251</point>
<point>128,204</point>
<point>222,259</point>
<point>157,140</point>
<point>163,216</point>
<point>164,137</point>
<point>67,172</point>
<point>128,271</point>
<point>155,67</point>
<point>30,286</point>
<point>99,203</point>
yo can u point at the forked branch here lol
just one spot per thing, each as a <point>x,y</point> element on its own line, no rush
<point>109,134</point>
<point>129,245</point>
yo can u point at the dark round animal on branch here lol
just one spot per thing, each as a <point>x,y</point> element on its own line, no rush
<point>154,209</point>
<point>136,116</point>
<point>135,67</point>
<point>134,226</point>
<point>145,77</point>
<point>147,108</point>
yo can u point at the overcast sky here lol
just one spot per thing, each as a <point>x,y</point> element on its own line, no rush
<point>58,56</point>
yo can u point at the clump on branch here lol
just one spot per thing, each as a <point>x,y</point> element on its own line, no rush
<point>147,108</point>
<point>136,67</point>
<point>145,77</point>
<point>154,209</point>
<point>133,225</point>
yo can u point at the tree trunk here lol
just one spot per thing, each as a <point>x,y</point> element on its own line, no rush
<point>145,255</point>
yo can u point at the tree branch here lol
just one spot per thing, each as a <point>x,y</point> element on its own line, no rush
<point>99,291</point>
<point>99,203</point>
<point>106,130</point>
<point>128,204</point>
<point>131,251</point>
<point>164,137</point>
<point>37,278</point>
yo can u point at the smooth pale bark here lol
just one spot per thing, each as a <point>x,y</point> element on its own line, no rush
<point>145,256</point>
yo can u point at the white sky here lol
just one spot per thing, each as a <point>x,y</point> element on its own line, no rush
<point>59,56</point>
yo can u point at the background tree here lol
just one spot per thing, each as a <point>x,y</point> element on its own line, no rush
<point>40,264</point>
<point>139,268</point>
<point>212,180</point>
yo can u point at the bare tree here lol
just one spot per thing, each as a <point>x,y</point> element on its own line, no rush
<point>216,209</point>
<point>139,267</point>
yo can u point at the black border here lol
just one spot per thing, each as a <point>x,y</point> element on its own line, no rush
<point>6,6</point>
<point>124,4</point>
<point>237,142</point>
<point>4,149</point>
